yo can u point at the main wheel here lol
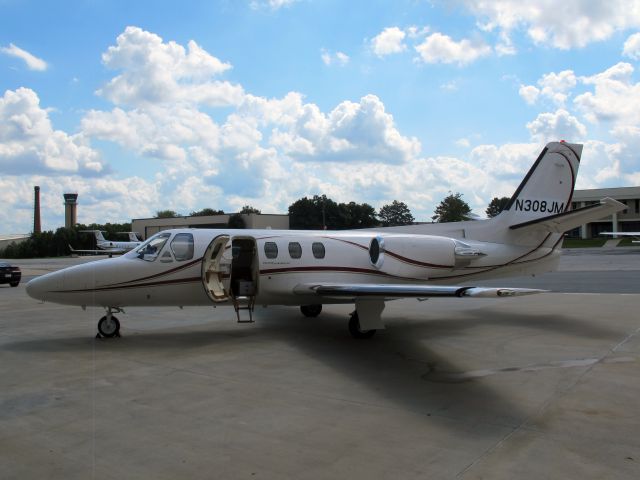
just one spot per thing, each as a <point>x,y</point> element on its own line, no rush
<point>354,328</point>
<point>311,310</point>
<point>109,327</point>
<point>14,284</point>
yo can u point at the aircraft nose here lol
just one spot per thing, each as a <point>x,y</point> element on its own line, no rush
<point>40,286</point>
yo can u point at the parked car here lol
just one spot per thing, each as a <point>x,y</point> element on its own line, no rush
<point>10,274</point>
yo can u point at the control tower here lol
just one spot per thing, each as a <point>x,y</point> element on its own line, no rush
<point>70,210</point>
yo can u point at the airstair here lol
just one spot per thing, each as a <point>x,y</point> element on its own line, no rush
<point>245,300</point>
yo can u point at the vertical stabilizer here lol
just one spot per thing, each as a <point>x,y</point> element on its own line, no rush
<point>547,189</point>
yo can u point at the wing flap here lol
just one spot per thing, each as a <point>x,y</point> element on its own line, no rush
<point>390,291</point>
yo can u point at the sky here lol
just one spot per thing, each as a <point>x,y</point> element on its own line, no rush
<point>154,105</point>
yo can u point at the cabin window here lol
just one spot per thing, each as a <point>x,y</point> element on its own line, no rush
<point>182,246</point>
<point>295,250</point>
<point>318,249</point>
<point>150,249</point>
<point>271,250</point>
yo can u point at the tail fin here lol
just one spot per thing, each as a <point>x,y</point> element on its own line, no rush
<point>99,236</point>
<point>548,187</point>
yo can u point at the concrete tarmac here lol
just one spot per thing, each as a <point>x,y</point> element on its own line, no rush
<point>544,386</point>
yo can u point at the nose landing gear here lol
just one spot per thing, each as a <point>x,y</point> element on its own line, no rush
<point>109,326</point>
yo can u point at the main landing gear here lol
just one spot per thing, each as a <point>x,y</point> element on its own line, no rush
<point>354,327</point>
<point>354,322</point>
<point>311,310</point>
<point>109,326</point>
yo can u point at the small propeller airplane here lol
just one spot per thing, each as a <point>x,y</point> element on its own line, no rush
<point>108,246</point>
<point>242,268</point>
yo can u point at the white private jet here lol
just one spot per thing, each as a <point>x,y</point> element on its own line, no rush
<point>110,247</point>
<point>635,235</point>
<point>243,268</point>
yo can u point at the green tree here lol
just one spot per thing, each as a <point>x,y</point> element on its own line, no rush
<point>357,215</point>
<point>202,213</point>
<point>394,214</point>
<point>236,221</point>
<point>166,214</point>
<point>452,209</point>
<point>496,206</point>
<point>314,213</point>
<point>248,209</point>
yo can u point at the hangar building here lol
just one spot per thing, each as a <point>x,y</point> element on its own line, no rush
<point>625,221</point>
<point>145,227</point>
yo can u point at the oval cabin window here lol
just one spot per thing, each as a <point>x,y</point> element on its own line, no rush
<point>318,249</point>
<point>271,250</point>
<point>295,250</point>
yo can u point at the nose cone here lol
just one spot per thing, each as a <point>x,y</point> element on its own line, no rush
<point>42,287</point>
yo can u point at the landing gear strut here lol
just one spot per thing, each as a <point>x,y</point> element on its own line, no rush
<point>109,326</point>
<point>354,328</point>
<point>311,310</point>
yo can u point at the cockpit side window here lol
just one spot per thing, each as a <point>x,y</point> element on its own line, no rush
<point>182,246</point>
<point>150,249</point>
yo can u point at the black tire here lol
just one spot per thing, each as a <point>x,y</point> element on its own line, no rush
<point>311,310</point>
<point>354,328</point>
<point>109,329</point>
<point>14,284</point>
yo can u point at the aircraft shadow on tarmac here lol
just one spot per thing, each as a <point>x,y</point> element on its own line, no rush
<point>398,366</point>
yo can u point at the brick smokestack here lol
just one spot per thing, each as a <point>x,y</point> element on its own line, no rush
<point>70,206</point>
<point>36,210</point>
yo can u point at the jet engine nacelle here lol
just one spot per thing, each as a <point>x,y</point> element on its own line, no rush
<point>415,256</point>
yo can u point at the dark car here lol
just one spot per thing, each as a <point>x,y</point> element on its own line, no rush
<point>10,274</point>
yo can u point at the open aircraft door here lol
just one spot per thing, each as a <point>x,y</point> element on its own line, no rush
<point>230,272</point>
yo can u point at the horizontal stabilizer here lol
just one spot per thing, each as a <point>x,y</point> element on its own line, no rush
<point>353,290</point>
<point>563,222</point>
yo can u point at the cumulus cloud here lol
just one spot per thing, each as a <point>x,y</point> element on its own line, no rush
<point>505,163</point>
<point>439,48</point>
<point>105,199</point>
<point>505,45</point>
<point>352,131</point>
<point>264,150</point>
<point>29,144</point>
<point>272,4</point>
<point>529,93</point>
<point>33,62</point>
<point>271,151</point>
<point>560,125</point>
<point>156,72</point>
<point>553,86</point>
<point>631,47</point>
<point>569,24</point>
<point>389,41</point>
<point>615,97</point>
<point>337,58</point>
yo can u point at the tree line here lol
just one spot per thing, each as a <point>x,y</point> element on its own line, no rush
<point>308,213</point>
<point>56,244</point>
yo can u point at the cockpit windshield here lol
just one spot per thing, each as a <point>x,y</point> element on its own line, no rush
<point>150,249</point>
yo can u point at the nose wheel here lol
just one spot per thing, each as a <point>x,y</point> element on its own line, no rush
<point>109,325</point>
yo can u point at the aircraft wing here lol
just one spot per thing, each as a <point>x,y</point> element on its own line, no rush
<point>113,251</point>
<point>563,222</point>
<point>622,234</point>
<point>393,291</point>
